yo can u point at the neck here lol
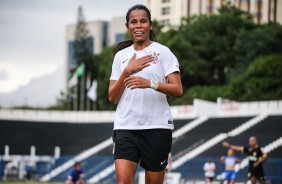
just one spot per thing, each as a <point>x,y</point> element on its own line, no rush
<point>141,45</point>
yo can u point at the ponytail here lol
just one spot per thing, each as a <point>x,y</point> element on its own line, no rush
<point>122,45</point>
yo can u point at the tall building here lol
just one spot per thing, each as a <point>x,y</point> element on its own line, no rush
<point>98,36</point>
<point>101,35</point>
<point>117,30</point>
<point>170,12</point>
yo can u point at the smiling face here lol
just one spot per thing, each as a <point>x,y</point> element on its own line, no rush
<point>139,26</point>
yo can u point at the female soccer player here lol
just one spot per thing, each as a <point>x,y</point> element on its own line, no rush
<point>230,162</point>
<point>143,73</point>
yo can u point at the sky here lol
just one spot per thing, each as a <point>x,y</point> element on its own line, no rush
<point>32,34</point>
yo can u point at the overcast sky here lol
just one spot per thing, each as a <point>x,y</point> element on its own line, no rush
<point>32,50</point>
<point>32,34</point>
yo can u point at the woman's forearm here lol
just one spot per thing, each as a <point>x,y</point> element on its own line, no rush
<point>170,89</point>
<point>117,88</point>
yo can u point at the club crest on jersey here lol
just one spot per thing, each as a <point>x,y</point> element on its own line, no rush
<point>156,57</point>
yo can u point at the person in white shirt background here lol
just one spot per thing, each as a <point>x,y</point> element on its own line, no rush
<point>209,169</point>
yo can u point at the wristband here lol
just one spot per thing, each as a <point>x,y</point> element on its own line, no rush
<point>154,84</point>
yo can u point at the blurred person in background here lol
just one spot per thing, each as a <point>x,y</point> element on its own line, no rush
<point>209,169</point>
<point>144,72</point>
<point>230,162</point>
<point>256,158</point>
<point>75,175</point>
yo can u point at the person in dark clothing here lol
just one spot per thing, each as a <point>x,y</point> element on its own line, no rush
<point>256,158</point>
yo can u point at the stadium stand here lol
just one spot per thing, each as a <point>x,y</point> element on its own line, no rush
<point>86,137</point>
<point>267,131</point>
<point>204,132</point>
<point>72,138</point>
<point>60,171</point>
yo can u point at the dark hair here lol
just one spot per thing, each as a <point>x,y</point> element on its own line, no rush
<point>76,164</point>
<point>121,45</point>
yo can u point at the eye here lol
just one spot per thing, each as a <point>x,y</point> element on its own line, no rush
<point>133,22</point>
<point>144,21</point>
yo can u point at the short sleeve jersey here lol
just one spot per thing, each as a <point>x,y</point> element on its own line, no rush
<point>145,108</point>
<point>254,155</point>
<point>75,175</point>
<point>209,169</point>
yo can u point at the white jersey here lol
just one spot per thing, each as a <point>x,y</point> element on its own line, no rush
<point>144,108</point>
<point>209,169</point>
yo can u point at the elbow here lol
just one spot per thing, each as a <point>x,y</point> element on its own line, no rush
<point>179,92</point>
<point>113,100</point>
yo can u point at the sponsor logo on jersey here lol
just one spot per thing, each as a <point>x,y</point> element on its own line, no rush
<point>156,57</point>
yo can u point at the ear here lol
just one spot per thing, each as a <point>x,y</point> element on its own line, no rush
<point>151,27</point>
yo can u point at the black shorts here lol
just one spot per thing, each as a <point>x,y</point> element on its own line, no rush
<point>210,178</point>
<point>149,147</point>
<point>258,173</point>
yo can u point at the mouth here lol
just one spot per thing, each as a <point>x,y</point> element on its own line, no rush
<point>138,33</point>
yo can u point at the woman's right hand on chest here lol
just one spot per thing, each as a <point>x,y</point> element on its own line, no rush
<point>136,65</point>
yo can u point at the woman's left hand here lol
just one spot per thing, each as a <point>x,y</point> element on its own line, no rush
<point>133,82</point>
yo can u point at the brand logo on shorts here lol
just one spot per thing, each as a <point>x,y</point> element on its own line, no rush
<point>162,163</point>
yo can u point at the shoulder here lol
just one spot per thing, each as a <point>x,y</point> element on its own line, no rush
<point>71,172</point>
<point>167,57</point>
<point>161,48</point>
<point>123,52</point>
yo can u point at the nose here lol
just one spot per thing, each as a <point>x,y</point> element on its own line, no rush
<point>138,24</point>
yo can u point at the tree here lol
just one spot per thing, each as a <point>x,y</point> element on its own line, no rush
<point>251,44</point>
<point>261,81</point>
<point>204,45</point>
<point>83,54</point>
<point>214,52</point>
<point>83,44</point>
<point>104,68</point>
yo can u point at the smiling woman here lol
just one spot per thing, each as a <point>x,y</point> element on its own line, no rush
<point>143,73</point>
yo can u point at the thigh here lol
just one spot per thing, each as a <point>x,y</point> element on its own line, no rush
<point>233,175</point>
<point>125,171</point>
<point>227,175</point>
<point>125,145</point>
<point>154,146</point>
<point>258,173</point>
<point>154,177</point>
